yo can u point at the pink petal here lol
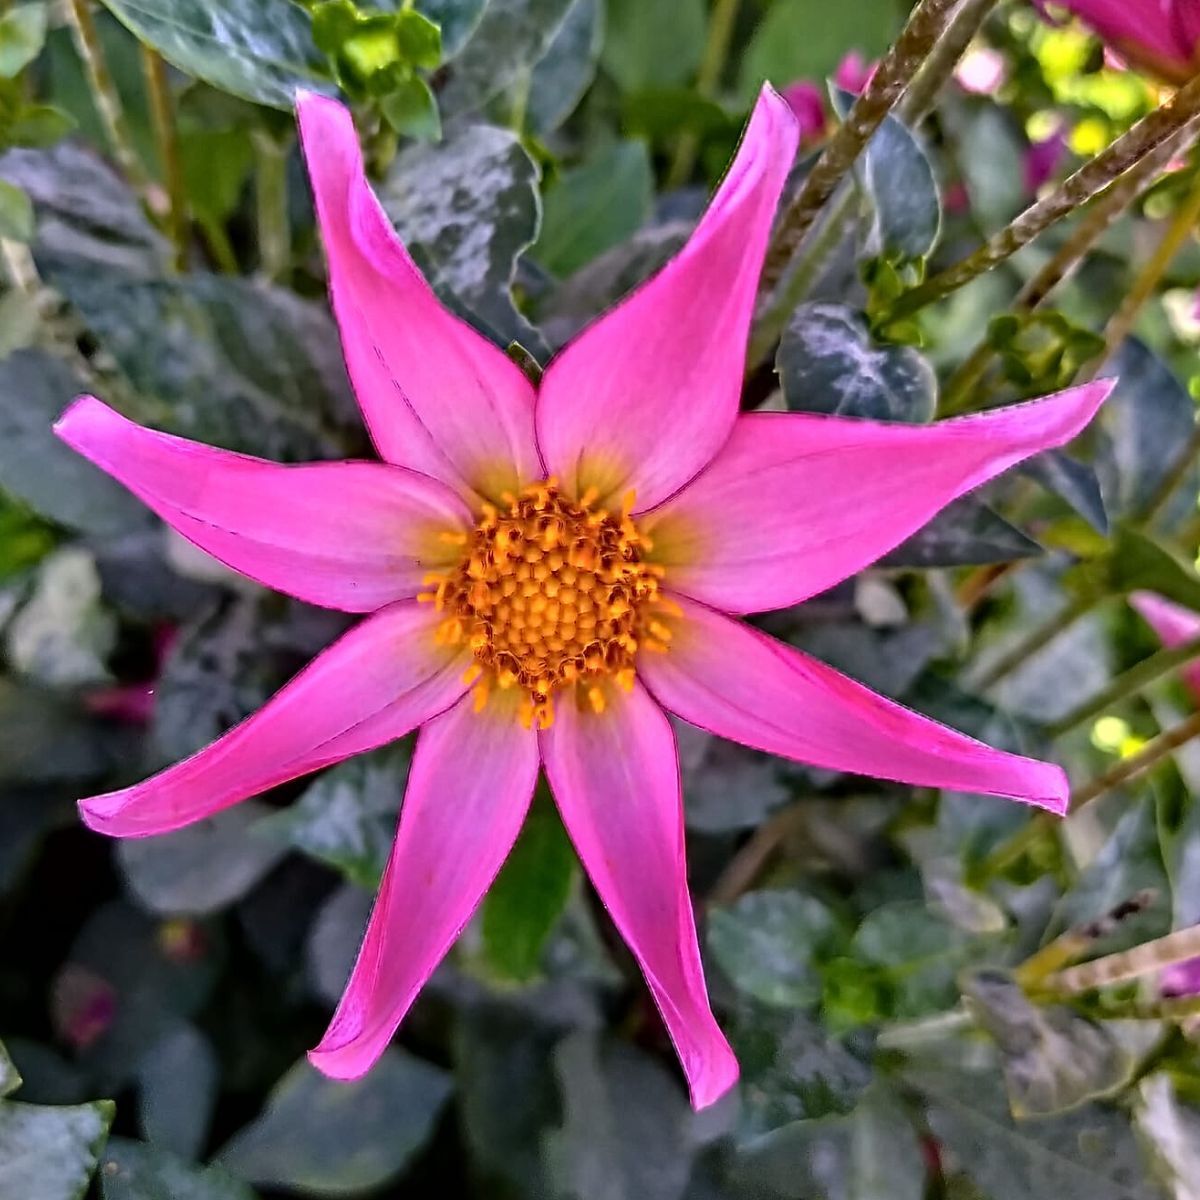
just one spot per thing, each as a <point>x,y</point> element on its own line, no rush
<point>795,502</point>
<point>437,396</point>
<point>468,791</point>
<point>1181,978</point>
<point>353,536</point>
<point>645,396</point>
<point>734,681</point>
<point>615,776</point>
<point>373,685</point>
<point>1174,625</point>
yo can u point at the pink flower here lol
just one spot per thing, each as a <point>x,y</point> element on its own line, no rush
<point>550,571</point>
<point>807,103</point>
<point>981,71</point>
<point>1159,36</point>
<point>854,72</point>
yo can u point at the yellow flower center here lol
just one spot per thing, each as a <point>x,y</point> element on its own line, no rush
<point>550,594</point>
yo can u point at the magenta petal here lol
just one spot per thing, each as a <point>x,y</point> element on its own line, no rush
<point>353,536</point>
<point>1174,625</point>
<point>437,396</point>
<point>726,677</point>
<point>645,396</point>
<point>794,502</point>
<point>615,777</point>
<point>468,791</point>
<point>374,684</point>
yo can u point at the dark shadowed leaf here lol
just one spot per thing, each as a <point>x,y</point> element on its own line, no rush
<point>1053,1058</point>
<point>886,1160</point>
<point>135,1171</point>
<point>232,362</point>
<point>769,944</point>
<point>1072,481</point>
<point>334,939</point>
<point>900,185</point>
<point>50,1153</point>
<point>466,208</point>
<point>39,469</point>
<point>511,38</point>
<point>1145,425</point>
<point>827,362</point>
<point>1138,561</point>
<point>177,1090</point>
<point>625,1124</point>
<point>594,206</point>
<point>261,50</point>
<point>203,868</point>
<point>337,1139</point>
<point>966,532</point>
<point>565,71</point>
<point>529,895</point>
<point>347,817</point>
<point>456,19</point>
<point>991,156</point>
<point>653,43</point>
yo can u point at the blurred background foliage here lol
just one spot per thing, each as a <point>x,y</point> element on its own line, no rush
<point>869,946</point>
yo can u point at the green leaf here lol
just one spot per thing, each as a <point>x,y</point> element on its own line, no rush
<point>22,35</point>
<point>1144,425</point>
<point>135,1171</point>
<point>203,868</point>
<point>529,895</point>
<point>565,72</point>
<point>967,532</point>
<point>899,181</point>
<point>991,157</point>
<point>806,39</point>
<point>1137,562</point>
<point>46,739</point>
<point>1089,1154</point>
<point>420,39</point>
<point>653,43</point>
<point>466,208</point>
<point>10,1079</point>
<point>1171,1130</point>
<point>886,1159</point>
<point>261,50</point>
<point>511,37</point>
<point>594,206</point>
<point>1053,1058</point>
<point>45,473</point>
<point>768,944</point>
<point>231,362</point>
<point>216,165</point>
<point>828,362</point>
<point>456,19</point>
<point>177,1091</point>
<point>347,817</point>
<point>334,939</point>
<point>36,125</point>
<point>1072,481</point>
<point>16,213</point>
<point>51,1153</point>
<point>411,110</point>
<point>340,1138</point>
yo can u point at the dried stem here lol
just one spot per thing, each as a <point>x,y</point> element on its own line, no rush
<point>895,71</point>
<point>104,93</point>
<point>1087,183</point>
<point>750,861</point>
<point>167,142</point>
<point>962,26</point>
<point>1127,684</point>
<point>716,49</point>
<point>1128,964</point>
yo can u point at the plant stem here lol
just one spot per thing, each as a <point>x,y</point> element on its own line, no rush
<point>1035,641</point>
<point>748,863</point>
<point>104,93</point>
<point>1127,684</point>
<point>708,76</point>
<point>1085,184</point>
<point>879,97</point>
<point>271,205</point>
<point>167,141</point>
<point>1122,321</point>
<point>960,28</point>
<point>1128,964</point>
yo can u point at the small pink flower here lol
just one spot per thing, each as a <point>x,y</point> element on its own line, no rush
<point>981,71</point>
<point>1158,36</point>
<point>807,103</point>
<point>1181,979</point>
<point>552,569</point>
<point>854,72</point>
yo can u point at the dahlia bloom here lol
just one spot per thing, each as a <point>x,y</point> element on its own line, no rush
<point>549,571</point>
<point>1158,36</point>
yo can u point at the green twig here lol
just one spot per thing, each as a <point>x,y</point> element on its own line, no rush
<point>708,76</point>
<point>167,142</point>
<point>1127,684</point>
<point>271,205</point>
<point>1080,188</point>
<point>105,95</point>
<point>1035,641</point>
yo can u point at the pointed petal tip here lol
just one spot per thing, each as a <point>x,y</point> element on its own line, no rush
<point>81,413</point>
<point>1052,789</point>
<point>713,1081</point>
<point>338,1060</point>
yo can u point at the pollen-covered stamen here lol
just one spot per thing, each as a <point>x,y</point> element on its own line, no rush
<point>552,593</point>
